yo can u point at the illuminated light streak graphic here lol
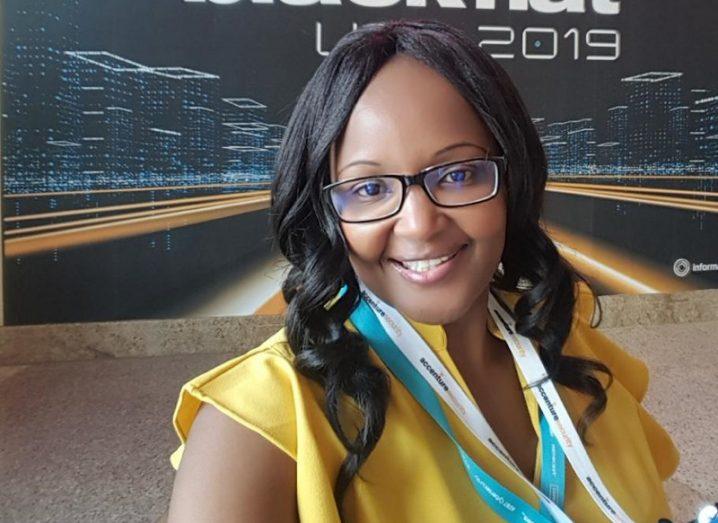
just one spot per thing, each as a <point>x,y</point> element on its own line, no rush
<point>630,189</point>
<point>632,177</point>
<point>112,208</point>
<point>662,201</point>
<point>254,292</point>
<point>108,219</point>
<point>606,267</point>
<point>274,305</point>
<point>619,271</point>
<point>637,286</point>
<point>125,228</point>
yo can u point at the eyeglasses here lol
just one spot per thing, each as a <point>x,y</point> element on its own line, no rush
<point>454,184</point>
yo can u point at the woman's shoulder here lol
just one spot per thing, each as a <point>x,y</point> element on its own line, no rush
<point>274,352</point>
<point>264,374</point>
<point>586,339</point>
<point>630,379</point>
<point>257,389</point>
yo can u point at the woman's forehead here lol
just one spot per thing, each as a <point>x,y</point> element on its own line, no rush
<point>407,109</point>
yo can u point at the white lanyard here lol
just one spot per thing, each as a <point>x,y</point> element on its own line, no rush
<point>427,363</point>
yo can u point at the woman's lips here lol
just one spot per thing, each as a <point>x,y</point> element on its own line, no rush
<point>432,275</point>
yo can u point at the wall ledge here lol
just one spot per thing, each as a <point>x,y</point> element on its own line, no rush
<point>30,344</point>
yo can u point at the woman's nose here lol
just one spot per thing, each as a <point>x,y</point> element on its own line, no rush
<point>419,216</point>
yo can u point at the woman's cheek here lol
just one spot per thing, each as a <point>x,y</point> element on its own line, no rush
<point>490,221</point>
<point>366,242</point>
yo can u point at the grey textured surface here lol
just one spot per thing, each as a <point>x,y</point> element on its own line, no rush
<point>20,345</point>
<point>623,310</point>
<point>89,440</point>
<point>682,360</point>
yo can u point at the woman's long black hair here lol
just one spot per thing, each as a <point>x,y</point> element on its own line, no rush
<point>309,236</point>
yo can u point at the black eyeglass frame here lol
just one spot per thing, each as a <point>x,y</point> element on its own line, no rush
<point>418,179</point>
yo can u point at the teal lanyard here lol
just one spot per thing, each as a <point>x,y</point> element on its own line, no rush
<point>502,501</point>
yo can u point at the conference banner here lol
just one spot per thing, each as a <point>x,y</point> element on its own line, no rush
<point>138,141</point>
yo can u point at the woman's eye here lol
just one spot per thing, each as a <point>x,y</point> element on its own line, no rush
<point>458,176</point>
<point>368,189</point>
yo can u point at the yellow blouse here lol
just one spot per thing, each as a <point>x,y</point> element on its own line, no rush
<point>415,472</point>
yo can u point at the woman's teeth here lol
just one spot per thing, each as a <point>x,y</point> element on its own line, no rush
<point>425,265</point>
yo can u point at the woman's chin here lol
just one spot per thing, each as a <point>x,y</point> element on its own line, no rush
<point>430,315</point>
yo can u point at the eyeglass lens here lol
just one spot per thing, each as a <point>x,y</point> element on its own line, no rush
<point>453,185</point>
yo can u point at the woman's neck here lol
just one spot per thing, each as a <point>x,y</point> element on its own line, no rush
<point>469,340</point>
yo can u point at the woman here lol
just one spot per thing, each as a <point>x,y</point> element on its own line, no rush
<point>315,423</point>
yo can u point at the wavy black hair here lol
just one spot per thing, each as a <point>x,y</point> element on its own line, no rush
<point>309,236</point>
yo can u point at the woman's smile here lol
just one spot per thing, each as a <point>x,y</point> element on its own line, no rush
<point>429,270</point>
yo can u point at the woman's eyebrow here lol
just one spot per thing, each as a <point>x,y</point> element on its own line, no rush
<point>457,145</point>
<point>438,153</point>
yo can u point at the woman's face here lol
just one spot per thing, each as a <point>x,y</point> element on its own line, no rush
<point>407,114</point>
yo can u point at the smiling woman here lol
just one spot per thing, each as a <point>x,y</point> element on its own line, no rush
<point>417,112</point>
<point>407,200</point>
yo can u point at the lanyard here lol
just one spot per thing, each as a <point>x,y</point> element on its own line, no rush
<point>502,501</point>
<point>418,367</point>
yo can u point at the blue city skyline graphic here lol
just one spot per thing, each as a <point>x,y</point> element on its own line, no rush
<point>660,129</point>
<point>83,120</point>
<point>91,119</point>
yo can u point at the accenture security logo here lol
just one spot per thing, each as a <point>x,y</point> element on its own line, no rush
<point>682,267</point>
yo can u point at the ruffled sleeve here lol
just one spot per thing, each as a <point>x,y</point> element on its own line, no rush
<point>255,389</point>
<point>629,371</point>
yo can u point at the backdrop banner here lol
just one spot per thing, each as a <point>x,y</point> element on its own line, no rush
<point>138,142</point>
